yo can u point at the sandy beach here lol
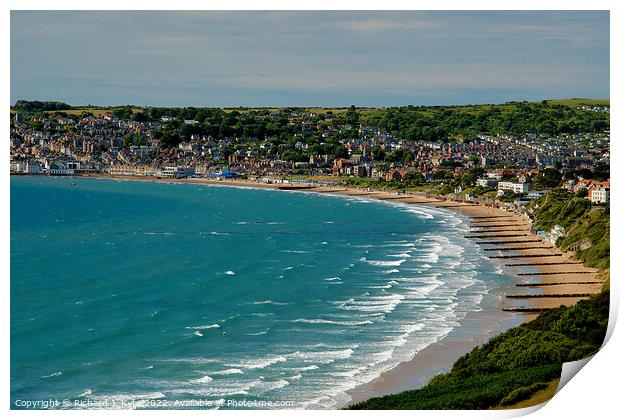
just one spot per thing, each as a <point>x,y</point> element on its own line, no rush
<point>545,278</point>
<point>545,272</point>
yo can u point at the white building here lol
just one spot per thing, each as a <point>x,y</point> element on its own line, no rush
<point>486,182</point>
<point>177,171</point>
<point>33,167</point>
<point>59,168</point>
<point>515,187</point>
<point>18,166</point>
<point>599,194</point>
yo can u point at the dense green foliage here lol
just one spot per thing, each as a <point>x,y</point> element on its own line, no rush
<point>472,393</point>
<point>442,122</point>
<point>508,367</point>
<point>133,140</point>
<point>558,207</point>
<point>443,182</point>
<point>593,226</point>
<point>581,220</point>
<point>38,106</point>
<point>321,134</point>
<point>522,393</point>
<point>548,178</point>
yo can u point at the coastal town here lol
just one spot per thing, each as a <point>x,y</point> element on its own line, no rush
<point>313,210</point>
<point>311,147</point>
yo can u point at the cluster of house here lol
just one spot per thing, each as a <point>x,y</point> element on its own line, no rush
<point>598,191</point>
<point>595,108</point>
<point>56,145</point>
<point>582,149</point>
<point>521,185</point>
<point>54,166</point>
<point>553,235</point>
<point>170,171</point>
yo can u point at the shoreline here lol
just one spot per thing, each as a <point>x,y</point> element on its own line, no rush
<point>476,327</point>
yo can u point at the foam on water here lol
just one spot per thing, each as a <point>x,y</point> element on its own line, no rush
<point>316,306</point>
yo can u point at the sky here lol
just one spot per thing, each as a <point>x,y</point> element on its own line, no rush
<point>380,58</point>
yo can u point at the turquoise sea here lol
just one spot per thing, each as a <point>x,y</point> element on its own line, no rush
<point>134,292</point>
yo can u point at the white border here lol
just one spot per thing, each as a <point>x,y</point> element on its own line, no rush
<point>590,395</point>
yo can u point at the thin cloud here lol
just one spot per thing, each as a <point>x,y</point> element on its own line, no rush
<point>382,25</point>
<point>303,57</point>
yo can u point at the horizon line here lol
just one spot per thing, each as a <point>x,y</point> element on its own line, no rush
<point>310,106</point>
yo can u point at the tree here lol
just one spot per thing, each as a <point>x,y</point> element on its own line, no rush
<point>581,193</point>
<point>169,139</point>
<point>414,178</point>
<point>549,178</point>
<point>472,176</point>
<point>352,116</point>
<point>400,156</point>
<point>601,172</point>
<point>377,153</point>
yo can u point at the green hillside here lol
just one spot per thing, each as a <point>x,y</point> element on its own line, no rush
<point>582,222</point>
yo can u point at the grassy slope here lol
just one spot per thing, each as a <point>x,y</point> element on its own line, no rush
<point>96,110</point>
<point>581,221</point>
<point>579,102</point>
<point>572,102</point>
<point>538,397</point>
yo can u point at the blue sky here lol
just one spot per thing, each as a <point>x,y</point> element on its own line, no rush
<point>307,58</point>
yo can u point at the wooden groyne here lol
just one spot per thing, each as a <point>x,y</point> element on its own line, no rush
<point>505,309</point>
<point>517,248</point>
<point>513,236</point>
<point>501,235</point>
<point>491,217</point>
<point>556,283</point>
<point>332,191</point>
<point>295,187</point>
<point>400,197</point>
<point>556,273</point>
<point>521,225</point>
<point>525,256</point>
<point>549,295</point>
<point>453,206</point>
<point>542,263</point>
<point>519,241</point>
<point>478,222</point>
<point>500,230</point>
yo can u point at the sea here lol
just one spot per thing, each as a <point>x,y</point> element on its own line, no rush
<point>129,294</point>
